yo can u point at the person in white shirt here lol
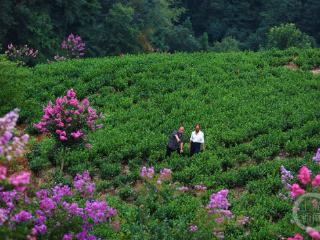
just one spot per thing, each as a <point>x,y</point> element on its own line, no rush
<point>196,141</point>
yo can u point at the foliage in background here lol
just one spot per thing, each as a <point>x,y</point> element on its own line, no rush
<point>287,36</point>
<point>23,55</point>
<point>134,26</point>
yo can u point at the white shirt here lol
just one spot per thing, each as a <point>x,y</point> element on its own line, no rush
<point>197,137</point>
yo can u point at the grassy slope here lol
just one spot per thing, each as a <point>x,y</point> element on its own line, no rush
<point>252,110</point>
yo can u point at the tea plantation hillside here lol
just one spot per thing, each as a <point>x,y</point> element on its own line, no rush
<point>256,114</point>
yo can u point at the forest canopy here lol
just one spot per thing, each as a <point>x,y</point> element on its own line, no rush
<point>113,27</point>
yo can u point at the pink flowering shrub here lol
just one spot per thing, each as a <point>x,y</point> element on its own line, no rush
<point>307,184</point>
<point>23,54</point>
<point>12,144</point>
<point>68,120</point>
<point>72,47</point>
<point>61,212</point>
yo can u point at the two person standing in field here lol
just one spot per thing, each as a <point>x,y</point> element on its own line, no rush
<point>175,143</point>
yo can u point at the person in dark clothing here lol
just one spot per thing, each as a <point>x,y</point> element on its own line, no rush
<point>175,143</point>
<point>196,141</point>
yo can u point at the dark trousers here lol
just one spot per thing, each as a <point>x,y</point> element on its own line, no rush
<point>195,148</point>
<point>170,151</point>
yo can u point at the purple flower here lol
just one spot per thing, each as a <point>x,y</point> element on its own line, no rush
<point>22,216</point>
<point>219,200</point>
<point>285,177</point>
<point>99,211</point>
<point>84,184</point>
<point>60,191</point>
<point>11,145</point>
<point>316,158</point>
<point>41,194</point>
<point>67,236</point>
<point>3,215</point>
<point>147,172</point>
<point>73,209</point>
<point>47,205</point>
<point>40,229</point>
<point>193,228</point>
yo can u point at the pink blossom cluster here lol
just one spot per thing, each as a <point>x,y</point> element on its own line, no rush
<point>54,205</point>
<point>16,53</point>
<point>305,178</point>
<point>219,206</point>
<point>18,180</point>
<point>165,174</point>
<point>68,119</point>
<point>296,237</point>
<point>11,144</point>
<point>74,45</point>
<point>147,172</point>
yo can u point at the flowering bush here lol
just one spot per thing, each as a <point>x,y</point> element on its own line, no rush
<point>11,144</point>
<point>23,54</point>
<point>57,213</point>
<point>68,120</point>
<point>308,184</point>
<point>160,188</point>
<point>72,47</point>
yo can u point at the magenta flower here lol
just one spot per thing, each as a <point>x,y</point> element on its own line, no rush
<point>316,181</point>
<point>296,191</point>
<point>296,237</point>
<point>19,181</point>
<point>76,134</point>
<point>304,175</point>
<point>315,235</point>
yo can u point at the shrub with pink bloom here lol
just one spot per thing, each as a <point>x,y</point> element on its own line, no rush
<point>304,175</point>
<point>314,234</point>
<point>147,172</point>
<point>24,54</point>
<point>69,119</point>
<point>72,47</point>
